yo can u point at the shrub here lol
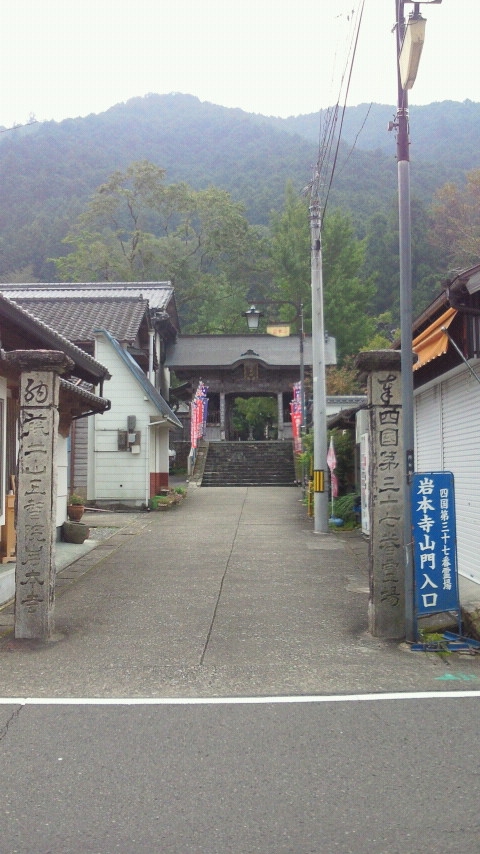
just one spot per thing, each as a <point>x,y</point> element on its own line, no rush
<point>343,508</point>
<point>158,500</point>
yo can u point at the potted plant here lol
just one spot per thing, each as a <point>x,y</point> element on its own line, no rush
<point>75,507</point>
<point>160,502</point>
<point>180,493</point>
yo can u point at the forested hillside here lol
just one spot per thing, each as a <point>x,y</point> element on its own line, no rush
<point>444,134</point>
<point>169,187</point>
<point>49,170</point>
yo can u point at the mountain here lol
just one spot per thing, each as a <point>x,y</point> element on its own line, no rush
<point>437,130</point>
<point>49,170</point>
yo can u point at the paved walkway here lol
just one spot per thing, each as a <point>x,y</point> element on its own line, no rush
<point>230,593</point>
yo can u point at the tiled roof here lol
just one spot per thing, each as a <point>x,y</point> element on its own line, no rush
<point>30,322</point>
<point>158,294</point>
<point>100,404</point>
<point>226,350</point>
<point>79,318</point>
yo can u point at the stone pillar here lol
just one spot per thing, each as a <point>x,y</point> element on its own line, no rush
<point>37,490</point>
<point>280,414</point>
<point>222,416</point>
<point>386,608</point>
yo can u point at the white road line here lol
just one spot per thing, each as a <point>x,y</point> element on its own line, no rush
<point>234,701</point>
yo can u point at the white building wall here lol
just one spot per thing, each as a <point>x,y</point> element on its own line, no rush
<point>121,475</point>
<point>80,464</point>
<point>159,444</point>
<point>62,485</point>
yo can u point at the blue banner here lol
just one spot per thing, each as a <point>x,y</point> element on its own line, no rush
<point>434,543</point>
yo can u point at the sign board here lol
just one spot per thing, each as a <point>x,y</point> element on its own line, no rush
<point>365,483</point>
<point>434,543</point>
<point>281,330</point>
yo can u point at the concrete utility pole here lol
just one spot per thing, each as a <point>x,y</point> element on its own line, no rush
<point>405,251</point>
<point>410,38</point>
<point>320,506</point>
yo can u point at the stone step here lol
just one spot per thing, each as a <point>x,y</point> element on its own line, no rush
<point>249,464</point>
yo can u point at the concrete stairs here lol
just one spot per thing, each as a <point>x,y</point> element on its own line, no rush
<point>249,464</point>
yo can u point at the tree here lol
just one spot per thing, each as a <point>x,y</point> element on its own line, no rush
<point>381,262</point>
<point>456,222</point>
<point>289,251</point>
<point>252,415</point>
<point>138,228</point>
<point>348,294</point>
<point>344,379</point>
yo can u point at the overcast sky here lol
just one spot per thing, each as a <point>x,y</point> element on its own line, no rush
<point>68,58</point>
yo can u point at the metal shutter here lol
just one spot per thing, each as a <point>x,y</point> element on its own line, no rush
<point>461,455</point>
<point>428,430</point>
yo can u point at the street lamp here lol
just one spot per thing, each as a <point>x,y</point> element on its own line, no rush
<point>253,317</point>
<point>410,37</point>
<point>411,50</point>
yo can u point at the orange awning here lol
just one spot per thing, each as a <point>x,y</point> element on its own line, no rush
<point>433,342</point>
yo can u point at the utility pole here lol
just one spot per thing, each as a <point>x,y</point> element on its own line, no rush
<point>405,251</point>
<point>408,57</point>
<point>320,505</point>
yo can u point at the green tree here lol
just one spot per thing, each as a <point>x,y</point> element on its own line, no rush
<point>381,262</point>
<point>290,253</point>
<point>348,294</point>
<point>253,414</point>
<point>138,228</point>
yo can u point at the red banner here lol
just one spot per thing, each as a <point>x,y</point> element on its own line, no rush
<point>296,417</point>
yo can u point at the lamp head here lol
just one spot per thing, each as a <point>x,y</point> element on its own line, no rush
<point>411,50</point>
<point>253,316</point>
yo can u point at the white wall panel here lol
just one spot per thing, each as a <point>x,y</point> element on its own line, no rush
<point>447,427</point>
<point>461,432</point>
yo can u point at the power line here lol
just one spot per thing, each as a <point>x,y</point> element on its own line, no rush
<point>350,61</point>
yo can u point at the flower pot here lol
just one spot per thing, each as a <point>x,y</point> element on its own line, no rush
<point>75,512</point>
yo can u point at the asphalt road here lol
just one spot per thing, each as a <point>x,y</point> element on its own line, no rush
<point>212,688</point>
<point>379,776</point>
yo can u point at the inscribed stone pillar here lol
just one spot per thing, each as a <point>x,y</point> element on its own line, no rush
<point>386,609</point>
<point>37,491</point>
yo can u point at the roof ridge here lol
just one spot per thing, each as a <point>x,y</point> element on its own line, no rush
<point>64,343</point>
<point>85,285</point>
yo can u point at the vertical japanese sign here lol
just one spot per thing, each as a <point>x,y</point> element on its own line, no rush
<point>434,543</point>
<point>365,482</point>
<point>198,415</point>
<point>296,416</point>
